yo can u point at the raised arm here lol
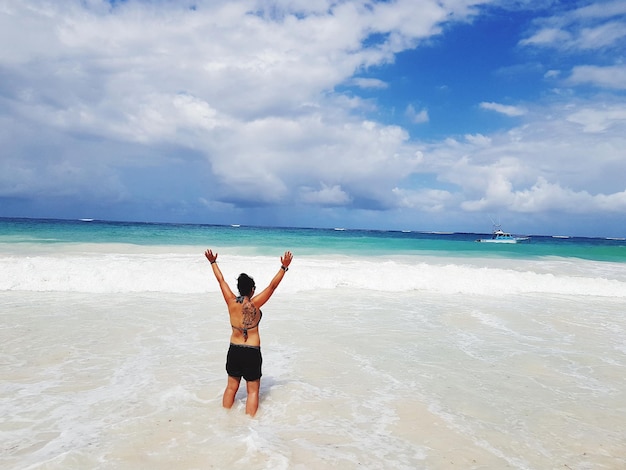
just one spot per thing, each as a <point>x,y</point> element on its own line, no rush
<point>265,295</point>
<point>226,292</point>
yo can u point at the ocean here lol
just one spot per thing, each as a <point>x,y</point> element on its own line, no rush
<point>381,349</point>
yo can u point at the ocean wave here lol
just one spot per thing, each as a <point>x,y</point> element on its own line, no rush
<point>188,272</point>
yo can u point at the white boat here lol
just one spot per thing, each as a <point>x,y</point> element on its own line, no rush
<point>498,236</point>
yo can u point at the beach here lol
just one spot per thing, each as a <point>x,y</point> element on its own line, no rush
<point>113,357</point>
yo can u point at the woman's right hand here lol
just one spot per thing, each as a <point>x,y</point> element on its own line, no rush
<point>286,259</point>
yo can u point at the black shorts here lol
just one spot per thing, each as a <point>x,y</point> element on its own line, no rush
<point>244,361</point>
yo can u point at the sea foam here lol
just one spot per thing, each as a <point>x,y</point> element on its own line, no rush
<point>120,268</point>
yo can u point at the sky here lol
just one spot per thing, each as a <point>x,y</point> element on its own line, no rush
<point>440,115</point>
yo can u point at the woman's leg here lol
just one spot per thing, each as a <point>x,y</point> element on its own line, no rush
<point>252,402</point>
<point>231,390</point>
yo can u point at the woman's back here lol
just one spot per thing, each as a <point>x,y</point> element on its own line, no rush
<point>244,320</point>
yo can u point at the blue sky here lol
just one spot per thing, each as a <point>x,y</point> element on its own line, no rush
<point>399,115</point>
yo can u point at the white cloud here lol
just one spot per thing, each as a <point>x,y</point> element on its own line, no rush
<point>545,197</point>
<point>368,83</point>
<point>547,37</point>
<point>427,200</point>
<point>599,10</point>
<point>563,158</point>
<point>591,27</point>
<point>417,117</point>
<point>325,196</point>
<point>251,92</point>
<point>478,139</point>
<point>601,36</point>
<point>607,77</point>
<point>599,119</point>
<point>503,109</point>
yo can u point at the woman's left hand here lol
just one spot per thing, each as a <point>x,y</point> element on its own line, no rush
<point>210,256</point>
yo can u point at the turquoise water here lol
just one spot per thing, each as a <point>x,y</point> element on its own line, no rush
<point>306,241</point>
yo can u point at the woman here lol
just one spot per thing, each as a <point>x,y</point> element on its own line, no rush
<point>244,354</point>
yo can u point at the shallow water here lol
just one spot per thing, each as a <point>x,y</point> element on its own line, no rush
<point>352,378</point>
<point>377,354</point>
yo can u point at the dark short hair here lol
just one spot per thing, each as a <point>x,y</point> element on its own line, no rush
<point>245,284</point>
